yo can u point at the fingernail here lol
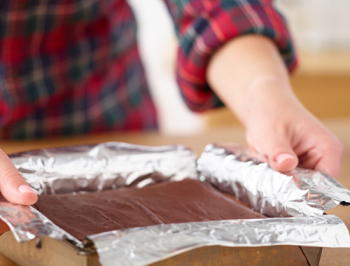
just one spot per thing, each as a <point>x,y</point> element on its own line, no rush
<point>284,156</point>
<point>26,189</point>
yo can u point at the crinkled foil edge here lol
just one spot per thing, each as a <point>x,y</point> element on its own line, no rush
<point>26,223</point>
<point>103,166</point>
<point>243,173</point>
<point>143,246</point>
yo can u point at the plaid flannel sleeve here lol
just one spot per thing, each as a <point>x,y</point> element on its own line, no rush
<point>204,25</point>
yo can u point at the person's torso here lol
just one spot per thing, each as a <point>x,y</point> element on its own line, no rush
<point>70,67</point>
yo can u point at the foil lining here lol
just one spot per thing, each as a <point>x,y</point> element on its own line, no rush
<point>301,195</point>
<point>245,174</point>
<point>143,246</point>
<point>26,223</point>
<point>104,166</point>
<point>89,168</point>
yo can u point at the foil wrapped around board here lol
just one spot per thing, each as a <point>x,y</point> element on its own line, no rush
<point>103,166</point>
<point>300,197</point>
<point>143,246</point>
<point>244,173</point>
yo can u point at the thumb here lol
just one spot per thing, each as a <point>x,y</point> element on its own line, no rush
<point>280,154</point>
<point>12,185</point>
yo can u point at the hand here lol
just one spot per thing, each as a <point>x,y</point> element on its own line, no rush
<point>279,127</point>
<point>12,185</point>
<point>249,76</point>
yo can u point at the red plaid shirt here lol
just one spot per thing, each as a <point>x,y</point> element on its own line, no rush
<point>73,67</point>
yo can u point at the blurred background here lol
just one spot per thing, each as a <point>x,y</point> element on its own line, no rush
<point>322,82</point>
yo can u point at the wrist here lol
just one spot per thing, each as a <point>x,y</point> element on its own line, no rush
<point>265,95</point>
<point>245,70</point>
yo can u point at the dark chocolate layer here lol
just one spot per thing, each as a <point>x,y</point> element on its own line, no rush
<point>163,203</point>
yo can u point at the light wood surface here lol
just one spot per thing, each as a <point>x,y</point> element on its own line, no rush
<point>340,127</point>
<point>325,95</point>
<point>325,63</point>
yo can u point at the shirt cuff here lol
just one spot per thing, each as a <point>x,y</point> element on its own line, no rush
<point>217,23</point>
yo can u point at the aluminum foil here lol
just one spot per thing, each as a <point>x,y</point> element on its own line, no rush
<point>103,166</point>
<point>234,170</point>
<point>143,246</point>
<point>27,223</point>
<point>89,168</point>
<point>245,174</point>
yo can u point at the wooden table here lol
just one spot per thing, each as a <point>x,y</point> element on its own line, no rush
<point>340,127</point>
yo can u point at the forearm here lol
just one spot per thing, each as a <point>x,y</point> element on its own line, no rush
<point>249,76</point>
<point>248,70</point>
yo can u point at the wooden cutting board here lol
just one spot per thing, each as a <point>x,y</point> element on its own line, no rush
<point>52,252</point>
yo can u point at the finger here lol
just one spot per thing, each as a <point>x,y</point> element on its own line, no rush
<point>12,185</point>
<point>279,153</point>
<point>330,162</point>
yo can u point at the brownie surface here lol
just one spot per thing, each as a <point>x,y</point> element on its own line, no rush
<point>164,203</point>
